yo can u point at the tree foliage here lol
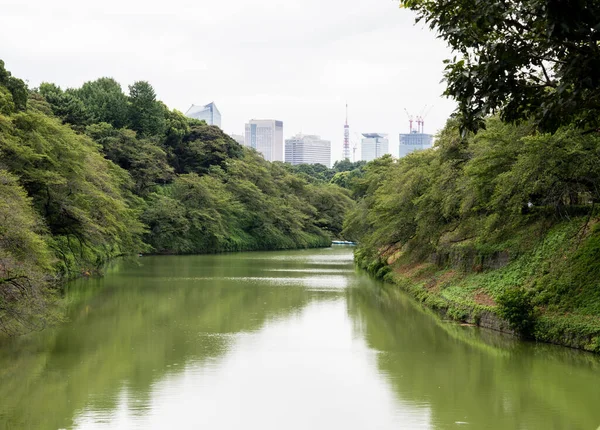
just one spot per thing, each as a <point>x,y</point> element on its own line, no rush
<point>146,114</point>
<point>200,147</point>
<point>80,195</point>
<point>478,190</point>
<point>524,59</point>
<point>88,174</point>
<point>144,158</point>
<point>104,101</point>
<point>13,86</point>
<point>342,173</point>
<point>241,203</point>
<point>65,105</point>
<point>495,193</point>
<point>25,261</point>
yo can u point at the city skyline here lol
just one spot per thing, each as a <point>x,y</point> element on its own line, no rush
<point>302,148</point>
<point>369,54</point>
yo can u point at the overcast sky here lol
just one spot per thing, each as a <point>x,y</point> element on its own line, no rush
<point>298,62</point>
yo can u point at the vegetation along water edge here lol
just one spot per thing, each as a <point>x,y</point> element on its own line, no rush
<point>92,173</point>
<point>499,229</point>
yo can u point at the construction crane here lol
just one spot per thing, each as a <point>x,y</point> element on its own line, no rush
<point>354,140</point>
<point>420,119</point>
<point>423,116</point>
<point>410,119</point>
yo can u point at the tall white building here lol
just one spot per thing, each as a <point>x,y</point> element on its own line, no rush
<point>374,145</point>
<point>208,113</point>
<point>414,141</point>
<point>266,136</point>
<point>307,149</point>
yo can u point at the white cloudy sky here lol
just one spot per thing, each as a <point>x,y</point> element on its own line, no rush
<point>296,61</point>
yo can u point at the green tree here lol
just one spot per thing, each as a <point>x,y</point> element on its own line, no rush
<point>146,114</point>
<point>26,296</point>
<point>331,203</point>
<point>347,165</point>
<point>525,59</point>
<point>144,159</point>
<point>15,86</point>
<point>81,196</point>
<point>177,128</point>
<point>7,105</point>
<point>201,147</point>
<point>168,225</point>
<point>65,105</point>
<point>104,101</point>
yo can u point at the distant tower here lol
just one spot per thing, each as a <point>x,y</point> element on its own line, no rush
<point>346,137</point>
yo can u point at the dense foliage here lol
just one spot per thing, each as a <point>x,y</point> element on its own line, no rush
<point>479,203</point>
<point>341,173</point>
<point>478,191</point>
<point>90,173</point>
<point>522,58</point>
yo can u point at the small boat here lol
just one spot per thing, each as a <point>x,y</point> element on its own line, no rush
<point>342,242</point>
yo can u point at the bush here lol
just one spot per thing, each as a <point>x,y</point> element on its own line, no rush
<point>516,307</point>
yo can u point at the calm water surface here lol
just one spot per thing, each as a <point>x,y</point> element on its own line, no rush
<point>279,340</point>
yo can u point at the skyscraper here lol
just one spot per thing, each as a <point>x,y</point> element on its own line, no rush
<point>307,149</point>
<point>414,141</point>
<point>208,113</point>
<point>266,136</point>
<point>374,145</point>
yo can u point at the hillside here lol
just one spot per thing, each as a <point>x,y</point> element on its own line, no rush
<point>498,228</point>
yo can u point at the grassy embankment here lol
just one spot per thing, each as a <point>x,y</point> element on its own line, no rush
<point>546,291</point>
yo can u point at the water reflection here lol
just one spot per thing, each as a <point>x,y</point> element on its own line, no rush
<point>141,324</point>
<point>475,378</point>
<point>290,340</point>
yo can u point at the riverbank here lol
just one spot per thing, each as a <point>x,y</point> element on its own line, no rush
<point>547,293</point>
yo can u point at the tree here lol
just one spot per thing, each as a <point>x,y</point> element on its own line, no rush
<point>143,158</point>
<point>347,165</point>
<point>25,262</point>
<point>65,105</point>
<point>105,101</point>
<point>524,59</point>
<point>201,147</point>
<point>331,203</point>
<point>81,196</point>
<point>146,114</point>
<point>15,86</point>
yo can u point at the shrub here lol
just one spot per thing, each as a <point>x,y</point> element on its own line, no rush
<point>516,307</point>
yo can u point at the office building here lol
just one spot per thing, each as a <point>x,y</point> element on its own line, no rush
<point>374,145</point>
<point>208,113</point>
<point>414,141</point>
<point>307,149</point>
<point>266,136</point>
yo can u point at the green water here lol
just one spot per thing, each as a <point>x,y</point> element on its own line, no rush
<point>282,340</point>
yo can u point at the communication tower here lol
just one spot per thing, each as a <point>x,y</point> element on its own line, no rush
<point>346,137</point>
